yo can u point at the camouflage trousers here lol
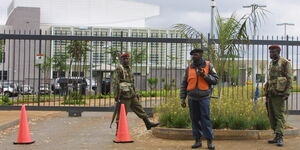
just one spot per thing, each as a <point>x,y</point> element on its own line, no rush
<point>135,106</point>
<point>276,112</point>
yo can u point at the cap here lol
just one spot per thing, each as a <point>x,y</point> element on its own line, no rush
<point>274,46</point>
<point>125,54</point>
<point>196,50</point>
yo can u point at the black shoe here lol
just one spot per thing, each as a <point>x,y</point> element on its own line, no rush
<point>274,140</point>
<point>197,144</point>
<point>149,124</point>
<point>210,145</point>
<point>280,141</point>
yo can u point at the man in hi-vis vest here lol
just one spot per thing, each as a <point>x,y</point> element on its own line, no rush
<point>196,84</point>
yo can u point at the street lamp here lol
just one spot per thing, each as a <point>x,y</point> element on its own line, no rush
<point>212,17</point>
<point>284,25</point>
<point>285,35</point>
<point>254,66</point>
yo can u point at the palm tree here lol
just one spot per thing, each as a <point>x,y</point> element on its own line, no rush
<point>114,53</point>
<point>138,55</point>
<point>77,51</point>
<point>229,30</point>
<point>59,64</point>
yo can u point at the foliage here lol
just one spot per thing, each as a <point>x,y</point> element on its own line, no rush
<point>114,52</point>
<point>46,66</point>
<point>150,93</point>
<point>74,98</point>
<point>77,51</point>
<point>296,87</point>
<point>59,63</point>
<point>6,101</point>
<point>138,56</point>
<point>172,115</point>
<point>99,96</point>
<point>152,82</point>
<point>234,109</point>
<point>229,30</point>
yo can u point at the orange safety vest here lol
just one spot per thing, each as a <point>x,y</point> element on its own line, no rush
<point>192,78</point>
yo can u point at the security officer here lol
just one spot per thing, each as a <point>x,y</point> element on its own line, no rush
<point>124,90</point>
<point>196,84</point>
<point>277,90</point>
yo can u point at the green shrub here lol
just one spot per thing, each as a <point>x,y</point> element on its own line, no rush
<point>99,96</point>
<point>152,82</point>
<point>173,116</point>
<point>234,109</point>
<point>238,122</point>
<point>260,123</point>
<point>74,98</point>
<point>218,122</point>
<point>6,101</point>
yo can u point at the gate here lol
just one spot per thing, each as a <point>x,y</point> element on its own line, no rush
<point>67,71</point>
<point>64,72</point>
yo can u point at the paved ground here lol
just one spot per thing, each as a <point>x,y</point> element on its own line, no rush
<point>57,131</point>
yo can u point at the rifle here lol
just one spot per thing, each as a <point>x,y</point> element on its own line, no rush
<point>267,104</point>
<point>117,108</point>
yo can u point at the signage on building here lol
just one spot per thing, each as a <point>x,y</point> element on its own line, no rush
<point>39,59</point>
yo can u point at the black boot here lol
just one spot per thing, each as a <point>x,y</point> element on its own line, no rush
<point>279,140</point>
<point>149,124</point>
<point>274,140</point>
<point>210,145</point>
<point>197,144</point>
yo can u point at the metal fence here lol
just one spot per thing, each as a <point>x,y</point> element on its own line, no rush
<point>249,67</point>
<point>35,66</point>
<point>63,72</point>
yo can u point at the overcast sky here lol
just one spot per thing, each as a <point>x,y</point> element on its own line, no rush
<point>197,13</point>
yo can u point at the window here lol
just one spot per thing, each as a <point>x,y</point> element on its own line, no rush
<point>55,74</point>
<point>3,75</point>
<point>75,74</point>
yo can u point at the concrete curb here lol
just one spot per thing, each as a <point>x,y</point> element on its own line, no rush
<point>9,124</point>
<point>186,134</point>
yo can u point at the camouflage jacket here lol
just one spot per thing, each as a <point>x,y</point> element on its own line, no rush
<point>123,76</point>
<point>279,80</point>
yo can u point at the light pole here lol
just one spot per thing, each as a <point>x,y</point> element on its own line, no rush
<point>284,25</point>
<point>254,66</point>
<point>285,35</point>
<point>212,18</point>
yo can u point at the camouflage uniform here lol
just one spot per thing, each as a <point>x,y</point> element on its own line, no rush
<point>129,98</point>
<point>277,90</point>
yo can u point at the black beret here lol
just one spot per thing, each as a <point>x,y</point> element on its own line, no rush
<point>197,50</point>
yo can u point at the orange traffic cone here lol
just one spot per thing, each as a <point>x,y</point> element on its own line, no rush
<point>24,133</point>
<point>123,135</point>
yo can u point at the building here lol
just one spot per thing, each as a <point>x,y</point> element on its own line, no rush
<point>86,18</point>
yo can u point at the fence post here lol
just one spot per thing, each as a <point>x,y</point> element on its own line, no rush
<point>39,78</point>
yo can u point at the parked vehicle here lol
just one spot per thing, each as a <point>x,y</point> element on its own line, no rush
<point>44,89</point>
<point>62,85</point>
<point>9,89</point>
<point>26,89</point>
<point>92,83</point>
<point>106,86</point>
